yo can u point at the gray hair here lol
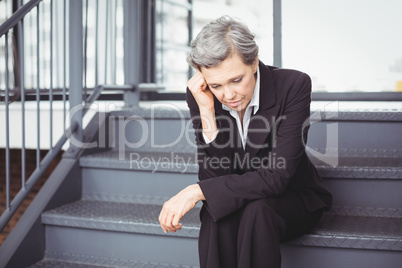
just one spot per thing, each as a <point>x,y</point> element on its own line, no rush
<point>220,39</point>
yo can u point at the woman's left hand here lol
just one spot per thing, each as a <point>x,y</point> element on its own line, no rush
<point>177,206</point>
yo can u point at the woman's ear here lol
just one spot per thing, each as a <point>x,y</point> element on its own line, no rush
<point>255,64</point>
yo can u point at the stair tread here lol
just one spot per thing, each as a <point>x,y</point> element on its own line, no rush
<point>48,263</point>
<point>363,226</point>
<point>347,166</point>
<point>116,216</point>
<point>143,160</point>
<point>361,167</point>
<point>358,232</point>
<point>180,111</point>
<point>332,231</point>
<point>62,264</point>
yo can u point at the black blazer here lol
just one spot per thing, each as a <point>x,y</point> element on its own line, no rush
<point>274,158</point>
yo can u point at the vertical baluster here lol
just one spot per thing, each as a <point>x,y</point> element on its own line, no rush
<point>32,50</point>
<point>111,19</point>
<point>114,39</point>
<point>162,48</point>
<point>56,50</point>
<point>56,42</point>
<point>277,32</point>
<point>76,70</point>
<point>7,127</point>
<point>51,76</point>
<point>106,38</point>
<point>96,43</point>
<point>149,51</point>
<point>85,49</point>
<point>190,34</point>
<point>37,90</point>
<point>65,64</point>
<point>21,44</point>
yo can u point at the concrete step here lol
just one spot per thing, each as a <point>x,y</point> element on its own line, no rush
<point>376,167</point>
<point>81,261</point>
<point>163,128</point>
<point>145,178</point>
<point>319,257</point>
<point>150,161</point>
<point>168,128</point>
<point>127,231</point>
<point>364,181</point>
<point>113,230</point>
<point>357,232</point>
<point>117,216</point>
<point>355,182</point>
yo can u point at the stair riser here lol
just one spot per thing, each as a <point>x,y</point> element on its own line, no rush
<point>366,193</point>
<point>160,134</point>
<point>171,134</point>
<point>120,245</point>
<point>148,187</point>
<point>314,257</point>
<point>357,135</point>
<point>128,185</point>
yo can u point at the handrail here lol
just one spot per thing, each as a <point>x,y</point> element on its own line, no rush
<point>30,183</point>
<point>50,156</point>
<point>17,16</point>
<point>72,42</point>
<point>142,87</point>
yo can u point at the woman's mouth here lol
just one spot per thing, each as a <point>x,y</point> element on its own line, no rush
<point>234,104</point>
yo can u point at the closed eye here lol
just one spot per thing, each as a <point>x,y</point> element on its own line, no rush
<point>215,86</point>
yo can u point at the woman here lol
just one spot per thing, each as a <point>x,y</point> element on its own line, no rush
<point>257,184</point>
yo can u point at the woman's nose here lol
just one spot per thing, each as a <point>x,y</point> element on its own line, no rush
<point>229,93</point>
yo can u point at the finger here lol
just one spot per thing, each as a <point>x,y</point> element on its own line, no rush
<point>176,222</point>
<point>168,223</point>
<point>162,218</point>
<point>201,79</point>
<point>197,83</point>
<point>193,80</point>
<point>204,85</point>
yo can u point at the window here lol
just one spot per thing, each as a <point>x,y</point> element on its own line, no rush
<point>345,46</point>
<point>173,35</point>
<point>103,63</point>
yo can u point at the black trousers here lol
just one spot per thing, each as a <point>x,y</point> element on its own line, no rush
<point>250,237</point>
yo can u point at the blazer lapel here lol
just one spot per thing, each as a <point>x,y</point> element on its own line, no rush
<point>262,122</point>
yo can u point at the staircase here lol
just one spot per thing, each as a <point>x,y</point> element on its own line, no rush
<point>115,222</point>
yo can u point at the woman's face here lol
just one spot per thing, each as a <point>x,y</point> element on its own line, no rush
<point>232,82</point>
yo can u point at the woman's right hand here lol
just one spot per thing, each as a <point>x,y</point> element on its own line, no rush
<point>201,92</point>
<point>205,101</point>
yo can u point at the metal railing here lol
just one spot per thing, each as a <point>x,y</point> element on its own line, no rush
<point>74,64</point>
